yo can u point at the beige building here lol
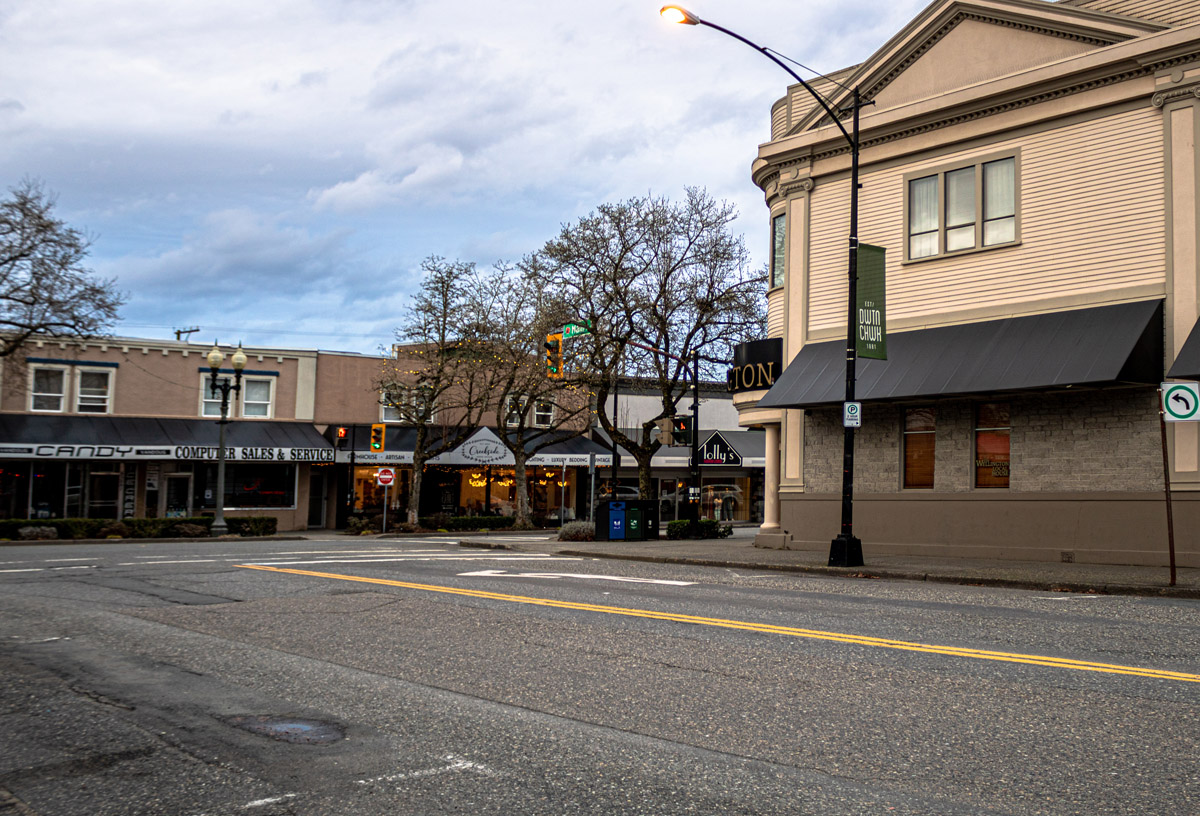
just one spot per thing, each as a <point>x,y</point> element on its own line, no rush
<point>1031,170</point>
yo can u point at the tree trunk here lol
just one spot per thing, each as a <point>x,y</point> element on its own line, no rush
<point>414,495</point>
<point>524,520</point>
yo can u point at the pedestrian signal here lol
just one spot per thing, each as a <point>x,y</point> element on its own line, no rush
<point>681,430</point>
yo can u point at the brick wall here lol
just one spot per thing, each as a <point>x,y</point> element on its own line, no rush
<point>1085,441</point>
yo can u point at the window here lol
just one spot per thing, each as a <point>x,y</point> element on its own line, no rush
<point>405,404</point>
<point>543,414</point>
<point>919,442</point>
<point>256,397</point>
<point>49,389</point>
<point>247,485</point>
<point>92,392</point>
<point>516,408</point>
<point>962,208</point>
<point>778,249</point>
<point>210,406</point>
<point>992,430</point>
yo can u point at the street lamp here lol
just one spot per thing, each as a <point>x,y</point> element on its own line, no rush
<point>222,385</point>
<point>845,550</point>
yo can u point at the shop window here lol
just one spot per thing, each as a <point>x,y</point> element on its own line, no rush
<point>778,249</point>
<point>919,442</point>
<point>256,397</point>
<point>249,485</point>
<point>962,208</point>
<point>93,392</point>
<point>993,429</point>
<point>48,391</point>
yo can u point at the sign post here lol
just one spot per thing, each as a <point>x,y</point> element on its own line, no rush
<point>384,478</point>
<point>1178,402</point>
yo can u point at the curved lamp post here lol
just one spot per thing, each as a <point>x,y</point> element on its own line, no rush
<point>222,385</point>
<point>845,550</point>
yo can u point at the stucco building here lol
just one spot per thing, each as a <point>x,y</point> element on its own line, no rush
<point>1031,170</point>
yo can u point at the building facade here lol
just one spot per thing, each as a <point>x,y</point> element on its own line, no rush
<point>1030,169</point>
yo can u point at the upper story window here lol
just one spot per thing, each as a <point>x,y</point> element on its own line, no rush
<point>210,405</point>
<point>961,208</point>
<point>778,249</point>
<point>516,408</point>
<point>49,389</point>
<point>256,397</point>
<point>543,414</point>
<point>407,404</point>
<point>93,392</point>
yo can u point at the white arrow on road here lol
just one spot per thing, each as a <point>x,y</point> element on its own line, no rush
<point>507,574</point>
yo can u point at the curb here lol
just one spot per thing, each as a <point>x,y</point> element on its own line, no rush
<point>1185,593</point>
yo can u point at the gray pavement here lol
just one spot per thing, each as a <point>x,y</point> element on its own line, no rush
<point>739,552</point>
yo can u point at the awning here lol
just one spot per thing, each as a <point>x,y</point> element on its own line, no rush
<point>57,436</point>
<point>748,448</point>
<point>482,447</point>
<point>1105,345</point>
<point>1187,363</point>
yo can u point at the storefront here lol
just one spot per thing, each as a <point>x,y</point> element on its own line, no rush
<point>475,478</point>
<point>731,470</point>
<point>123,467</point>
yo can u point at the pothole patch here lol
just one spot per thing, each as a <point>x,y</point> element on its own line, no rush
<point>289,729</point>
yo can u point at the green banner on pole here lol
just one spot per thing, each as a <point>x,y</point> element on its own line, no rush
<point>870,306</point>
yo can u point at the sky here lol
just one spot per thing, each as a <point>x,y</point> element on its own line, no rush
<point>274,172</point>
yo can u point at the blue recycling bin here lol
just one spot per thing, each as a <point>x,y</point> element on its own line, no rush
<point>616,521</point>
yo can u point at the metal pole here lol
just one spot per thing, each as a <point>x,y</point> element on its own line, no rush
<point>696,435</point>
<point>846,550</point>
<point>1162,424</point>
<point>383,527</point>
<point>219,527</point>
<point>562,497</point>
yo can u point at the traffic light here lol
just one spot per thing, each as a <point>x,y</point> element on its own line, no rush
<point>665,430</point>
<point>554,356</point>
<point>377,436</point>
<point>341,435</point>
<point>681,430</point>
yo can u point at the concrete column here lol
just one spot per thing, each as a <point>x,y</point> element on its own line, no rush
<point>770,534</point>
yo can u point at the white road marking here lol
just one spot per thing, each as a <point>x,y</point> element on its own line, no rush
<point>156,563</point>
<point>56,560</point>
<point>272,800</point>
<point>418,558</point>
<point>33,569</point>
<point>456,765</point>
<point>507,574</point>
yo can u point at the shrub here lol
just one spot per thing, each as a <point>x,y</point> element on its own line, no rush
<point>360,525</point>
<point>185,529</point>
<point>577,531</point>
<point>441,521</point>
<point>252,525</point>
<point>678,529</point>
<point>115,529</point>
<point>704,528</point>
<point>32,533</point>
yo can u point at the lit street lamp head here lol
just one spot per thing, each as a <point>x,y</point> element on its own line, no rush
<point>678,14</point>
<point>215,358</point>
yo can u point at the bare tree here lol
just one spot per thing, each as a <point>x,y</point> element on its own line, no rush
<point>44,286</point>
<point>668,276</point>
<point>515,311</point>
<point>437,381</point>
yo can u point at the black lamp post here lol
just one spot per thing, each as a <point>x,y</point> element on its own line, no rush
<point>845,550</point>
<point>222,385</point>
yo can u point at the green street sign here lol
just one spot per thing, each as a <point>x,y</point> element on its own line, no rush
<point>576,329</point>
<point>871,310</point>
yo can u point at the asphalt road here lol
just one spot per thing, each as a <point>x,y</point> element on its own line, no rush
<point>419,677</point>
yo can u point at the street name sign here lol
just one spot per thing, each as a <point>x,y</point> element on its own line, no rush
<point>575,330</point>
<point>1181,401</point>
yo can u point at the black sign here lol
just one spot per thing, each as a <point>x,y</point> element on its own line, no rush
<point>718,451</point>
<point>756,365</point>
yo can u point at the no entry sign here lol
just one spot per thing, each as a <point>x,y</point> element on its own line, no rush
<point>385,477</point>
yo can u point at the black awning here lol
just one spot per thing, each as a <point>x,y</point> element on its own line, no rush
<point>1187,363</point>
<point>72,436</point>
<point>1105,345</point>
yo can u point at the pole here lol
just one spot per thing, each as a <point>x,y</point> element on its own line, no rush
<point>562,497</point>
<point>696,435</point>
<point>383,527</point>
<point>846,550</point>
<point>219,527</point>
<point>592,487</point>
<point>1162,424</point>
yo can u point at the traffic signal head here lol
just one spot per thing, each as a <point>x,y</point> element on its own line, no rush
<point>377,437</point>
<point>665,430</point>
<point>681,430</point>
<point>554,356</point>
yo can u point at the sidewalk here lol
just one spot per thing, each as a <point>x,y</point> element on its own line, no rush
<point>739,552</point>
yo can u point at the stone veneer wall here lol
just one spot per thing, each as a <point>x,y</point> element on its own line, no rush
<point>1081,441</point>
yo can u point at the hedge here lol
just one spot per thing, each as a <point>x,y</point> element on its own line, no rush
<point>704,528</point>
<point>137,527</point>
<point>445,522</point>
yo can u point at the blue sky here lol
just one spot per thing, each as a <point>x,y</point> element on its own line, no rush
<point>274,172</point>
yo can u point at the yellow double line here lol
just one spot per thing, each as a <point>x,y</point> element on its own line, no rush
<point>765,628</point>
